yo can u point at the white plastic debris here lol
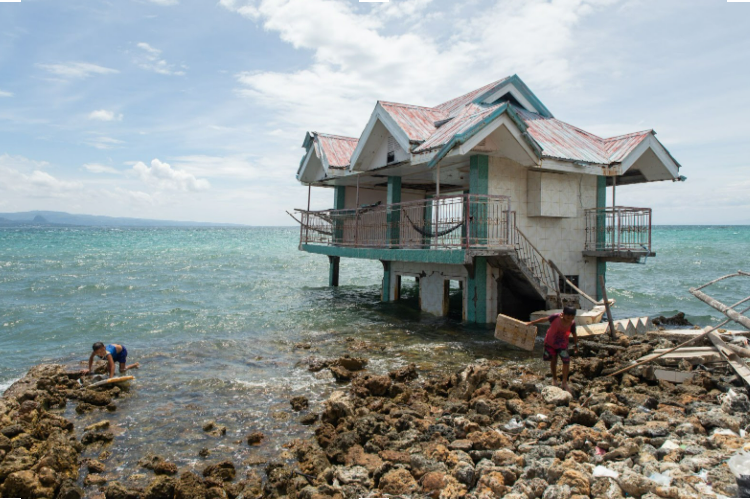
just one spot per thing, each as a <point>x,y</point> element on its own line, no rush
<point>541,417</point>
<point>661,479</point>
<point>606,472</point>
<point>739,464</point>
<point>513,426</point>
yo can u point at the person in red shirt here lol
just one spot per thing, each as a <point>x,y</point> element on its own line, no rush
<point>561,326</point>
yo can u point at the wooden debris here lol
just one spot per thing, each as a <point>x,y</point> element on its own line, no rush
<point>734,360</point>
<point>515,332</point>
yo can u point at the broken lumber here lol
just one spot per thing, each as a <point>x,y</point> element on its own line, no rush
<point>734,360</point>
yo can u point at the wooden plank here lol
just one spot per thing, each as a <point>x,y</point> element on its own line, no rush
<point>515,332</point>
<point>734,360</point>
<point>672,376</point>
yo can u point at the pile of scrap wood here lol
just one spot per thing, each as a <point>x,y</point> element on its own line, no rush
<point>725,348</point>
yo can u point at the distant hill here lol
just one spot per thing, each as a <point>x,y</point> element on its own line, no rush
<point>62,219</point>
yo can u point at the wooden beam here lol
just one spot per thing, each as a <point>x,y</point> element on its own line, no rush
<point>612,332</point>
<point>734,360</point>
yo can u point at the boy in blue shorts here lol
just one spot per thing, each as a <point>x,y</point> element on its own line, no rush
<point>111,353</point>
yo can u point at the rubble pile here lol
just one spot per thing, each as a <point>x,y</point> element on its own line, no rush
<point>490,430</point>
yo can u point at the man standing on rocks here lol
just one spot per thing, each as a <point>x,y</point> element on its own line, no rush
<point>556,342</point>
<point>111,353</point>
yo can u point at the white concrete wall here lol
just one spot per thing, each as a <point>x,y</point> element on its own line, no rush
<point>559,239</point>
<point>552,194</point>
<point>432,277</point>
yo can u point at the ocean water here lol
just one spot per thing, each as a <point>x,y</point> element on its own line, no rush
<point>216,316</point>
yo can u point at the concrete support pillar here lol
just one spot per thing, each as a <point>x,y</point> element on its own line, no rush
<point>391,284</point>
<point>333,270</point>
<point>481,294</point>
<point>478,184</point>
<point>434,293</point>
<point>339,203</point>
<point>601,221</point>
<point>394,215</point>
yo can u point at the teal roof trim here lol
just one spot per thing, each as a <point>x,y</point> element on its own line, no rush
<point>541,109</point>
<point>461,138</point>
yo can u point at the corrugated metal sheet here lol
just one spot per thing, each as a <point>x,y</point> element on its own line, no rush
<point>621,146</point>
<point>417,121</point>
<point>337,149</point>
<point>470,115</point>
<point>454,106</point>
<point>557,139</point>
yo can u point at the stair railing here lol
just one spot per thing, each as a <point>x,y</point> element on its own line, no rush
<point>532,259</point>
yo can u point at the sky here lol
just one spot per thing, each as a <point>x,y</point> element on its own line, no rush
<point>196,110</point>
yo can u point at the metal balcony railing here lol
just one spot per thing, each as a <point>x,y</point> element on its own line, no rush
<point>618,229</point>
<point>469,221</point>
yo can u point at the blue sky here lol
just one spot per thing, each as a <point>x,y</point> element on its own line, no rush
<point>196,110</point>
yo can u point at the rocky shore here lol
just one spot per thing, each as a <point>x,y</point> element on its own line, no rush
<point>490,430</point>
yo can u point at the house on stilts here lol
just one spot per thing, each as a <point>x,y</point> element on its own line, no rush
<point>488,189</point>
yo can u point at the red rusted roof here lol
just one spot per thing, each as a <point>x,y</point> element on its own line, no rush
<point>454,106</point>
<point>417,121</point>
<point>620,146</point>
<point>561,140</point>
<point>556,139</point>
<point>337,149</point>
<point>468,116</point>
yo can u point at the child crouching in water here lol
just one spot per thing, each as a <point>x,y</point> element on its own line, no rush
<point>111,353</point>
<point>556,342</point>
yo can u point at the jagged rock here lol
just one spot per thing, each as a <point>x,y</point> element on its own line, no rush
<point>352,363</point>
<point>26,484</point>
<point>189,486</point>
<point>90,437</point>
<point>101,425</point>
<point>94,466</point>
<point>94,397</point>
<point>165,468</point>
<point>255,438</point>
<point>556,396</point>
<point>299,403</point>
<point>341,373</point>
<point>433,483</point>
<point>69,490</point>
<point>583,416</point>
<point>116,490</point>
<point>353,475</point>
<point>398,481</point>
<point>161,487</point>
<point>406,373</point>
<point>223,471</point>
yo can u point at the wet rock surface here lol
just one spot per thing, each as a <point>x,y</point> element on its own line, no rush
<point>488,430</point>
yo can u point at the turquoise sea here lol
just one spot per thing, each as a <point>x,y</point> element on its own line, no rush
<point>216,316</point>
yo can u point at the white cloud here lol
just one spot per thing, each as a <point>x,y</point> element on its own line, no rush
<point>105,115</point>
<point>97,168</point>
<point>163,176</point>
<point>103,142</point>
<point>165,2</point>
<point>236,167</point>
<point>361,60</point>
<point>21,163</point>
<point>150,59</point>
<point>76,69</point>
<point>36,184</point>
<point>3,93</point>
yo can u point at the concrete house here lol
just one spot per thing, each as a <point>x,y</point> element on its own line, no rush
<point>488,190</point>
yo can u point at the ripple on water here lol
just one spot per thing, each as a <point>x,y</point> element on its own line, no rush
<point>213,316</point>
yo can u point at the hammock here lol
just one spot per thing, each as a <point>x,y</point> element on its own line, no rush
<point>310,227</point>
<point>349,213</point>
<point>425,232</point>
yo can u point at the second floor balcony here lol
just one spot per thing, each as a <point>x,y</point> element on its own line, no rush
<point>467,221</point>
